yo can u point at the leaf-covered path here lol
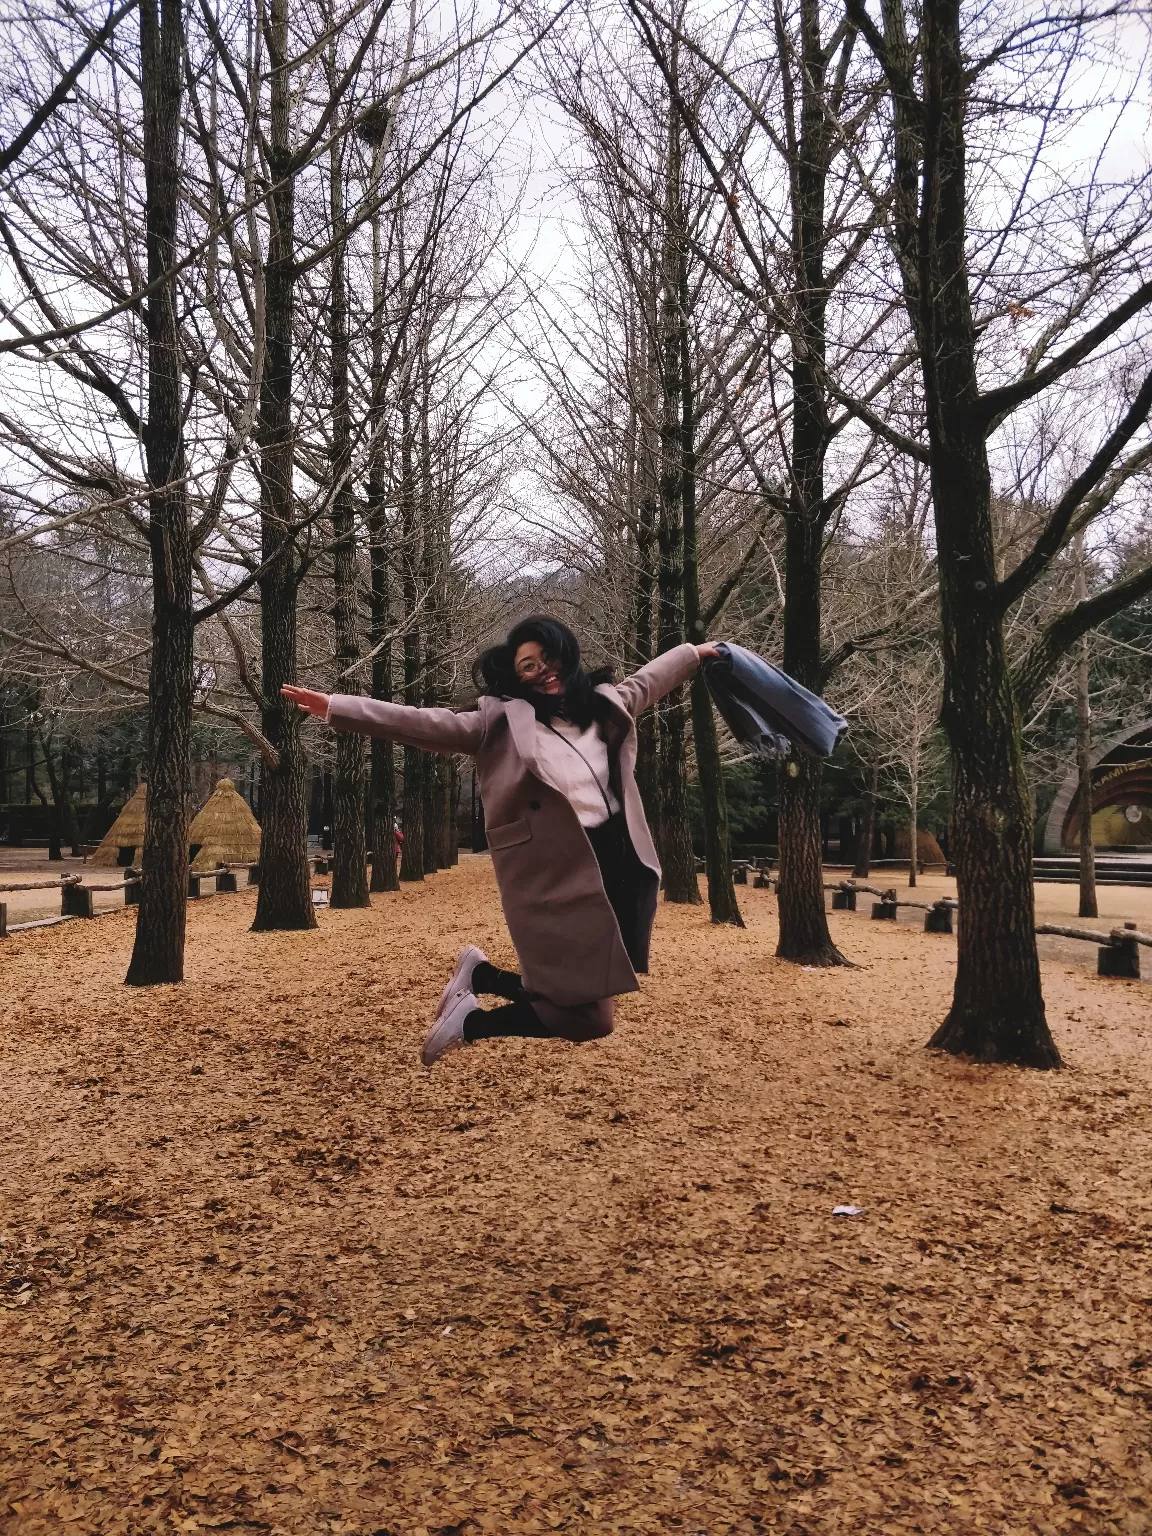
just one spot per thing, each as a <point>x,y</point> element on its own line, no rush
<point>262,1272</point>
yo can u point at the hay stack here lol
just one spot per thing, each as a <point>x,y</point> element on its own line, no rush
<point>225,829</point>
<point>928,850</point>
<point>127,831</point>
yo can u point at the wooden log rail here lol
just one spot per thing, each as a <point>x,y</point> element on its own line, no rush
<point>41,885</point>
<point>1119,948</point>
<point>1129,932</point>
<point>76,897</point>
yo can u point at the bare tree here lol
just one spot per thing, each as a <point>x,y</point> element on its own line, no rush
<point>798,225</point>
<point>944,79</point>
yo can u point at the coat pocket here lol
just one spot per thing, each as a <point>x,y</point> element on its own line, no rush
<point>507,836</point>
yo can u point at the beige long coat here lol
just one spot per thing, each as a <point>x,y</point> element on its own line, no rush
<point>560,919</point>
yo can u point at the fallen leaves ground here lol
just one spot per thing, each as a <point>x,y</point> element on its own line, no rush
<point>262,1272</point>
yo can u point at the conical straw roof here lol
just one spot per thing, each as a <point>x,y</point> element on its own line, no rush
<point>226,830</point>
<point>127,831</point>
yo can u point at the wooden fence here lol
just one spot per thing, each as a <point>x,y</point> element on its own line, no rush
<point>1118,952</point>
<point>76,898</point>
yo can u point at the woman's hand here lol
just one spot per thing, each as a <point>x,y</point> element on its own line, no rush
<point>707,652</point>
<point>306,699</point>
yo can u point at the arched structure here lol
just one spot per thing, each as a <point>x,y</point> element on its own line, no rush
<point>1121,796</point>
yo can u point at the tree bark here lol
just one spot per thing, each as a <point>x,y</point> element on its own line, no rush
<point>913,819</point>
<point>158,947</point>
<point>412,854</point>
<point>284,900</point>
<point>382,790</point>
<point>677,856</point>
<point>70,795</point>
<point>349,848</point>
<point>433,621</point>
<point>56,819</point>
<point>722,901</point>
<point>29,761</point>
<point>804,935</point>
<point>453,813</point>
<point>644,593</point>
<point>1088,904</point>
<point>1088,854</point>
<point>863,865</point>
<point>997,1012</point>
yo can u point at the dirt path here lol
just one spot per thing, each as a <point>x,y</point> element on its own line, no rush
<point>262,1272</point>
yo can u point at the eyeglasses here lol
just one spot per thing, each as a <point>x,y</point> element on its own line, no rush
<point>526,670</point>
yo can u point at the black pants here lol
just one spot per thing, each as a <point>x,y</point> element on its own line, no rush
<point>623,875</point>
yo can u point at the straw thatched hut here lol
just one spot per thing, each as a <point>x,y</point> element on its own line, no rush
<point>125,837</point>
<point>225,830</point>
<point>928,850</point>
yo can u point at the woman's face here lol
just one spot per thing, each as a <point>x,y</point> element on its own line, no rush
<point>537,670</point>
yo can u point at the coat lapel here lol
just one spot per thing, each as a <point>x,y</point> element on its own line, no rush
<point>622,722</point>
<point>522,723</point>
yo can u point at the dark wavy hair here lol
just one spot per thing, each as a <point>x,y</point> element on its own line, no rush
<point>494,672</point>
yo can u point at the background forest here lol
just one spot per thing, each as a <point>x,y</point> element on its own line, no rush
<point>337,337</point>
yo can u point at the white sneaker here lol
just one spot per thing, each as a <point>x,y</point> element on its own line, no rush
<point>447,1034</point>
<point>461,983</point>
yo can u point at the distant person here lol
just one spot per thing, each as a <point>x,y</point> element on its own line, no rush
<point>555,752</point>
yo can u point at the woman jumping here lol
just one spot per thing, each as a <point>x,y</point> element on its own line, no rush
<point>555,752</point>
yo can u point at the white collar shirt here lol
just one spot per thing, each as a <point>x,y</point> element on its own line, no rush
<point>575,762</point>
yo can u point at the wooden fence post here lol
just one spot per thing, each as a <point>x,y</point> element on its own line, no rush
<point>938,918</point>
<point>1120,958</point>
<point>885,909</point>
<point>75,901</point>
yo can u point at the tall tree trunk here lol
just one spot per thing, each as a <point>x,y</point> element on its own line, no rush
<point>997,1011</point>
<point>412,854</point>
<point>29,761</point>
<point>69,795</point>
<point>804,934</point>
<point>1088,904</point>
<point>913,818</point>
<point>349,850</point>
<point>158,948</point>
<point>383,766</point>
<point>453,812</point>
<point>677,856</point>
<point>382,791</point>
<point>644,594</point>
<point>717,844</point>
<point>863,865</point>
<point>284,900</point>
<point>429,582</point>
<point>55,819</point>
<point>441,798</point>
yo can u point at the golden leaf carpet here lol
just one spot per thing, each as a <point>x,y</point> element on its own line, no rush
<point>262,1272</point>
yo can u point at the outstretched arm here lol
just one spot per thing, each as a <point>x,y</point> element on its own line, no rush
<point>436,730</point>
<point>644,688</point>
